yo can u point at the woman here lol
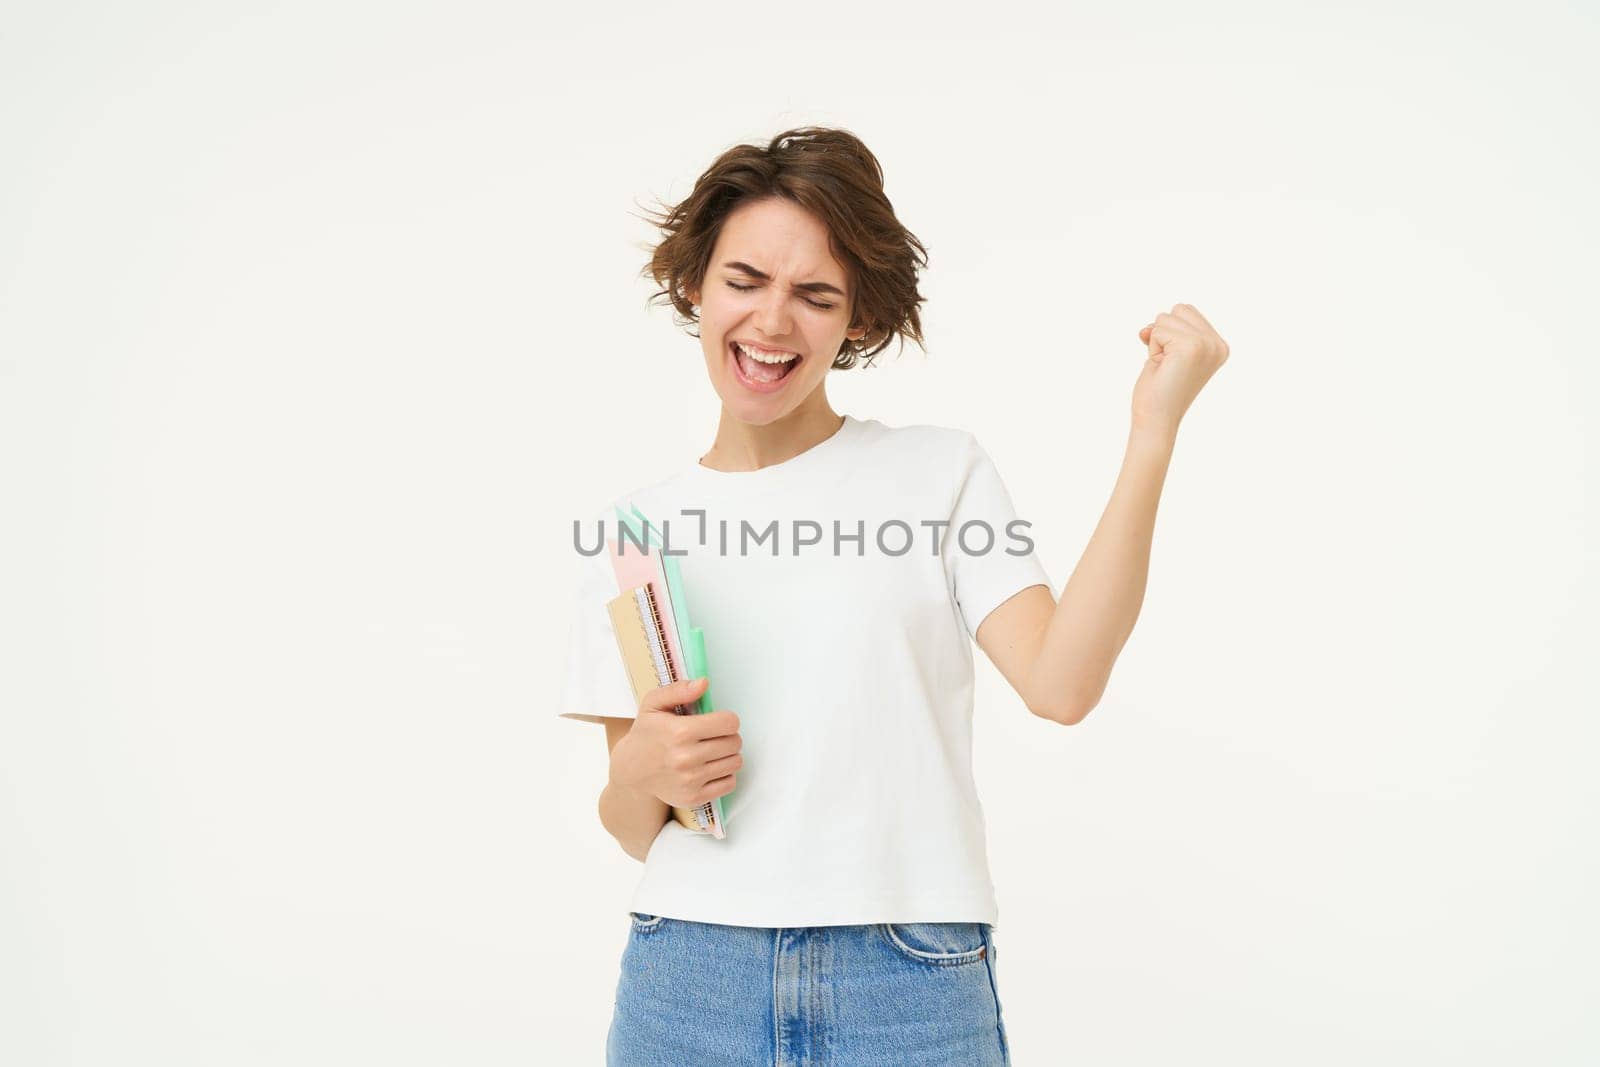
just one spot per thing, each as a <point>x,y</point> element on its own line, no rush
<point>840,569</point>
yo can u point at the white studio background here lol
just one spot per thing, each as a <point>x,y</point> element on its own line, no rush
<point>315,318</point>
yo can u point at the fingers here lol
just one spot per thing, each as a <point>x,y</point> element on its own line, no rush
<point>1191,314</point>
<point>722,723</point>
<point>712,790</point>
<point>1158,335</point>
<point>1175,324</point>
<point>720,768</point>
<point>1187,314</point>
<point>716,764</point>
<point>1183,318</point>
<point>711,724</point>
<point>711,748</point>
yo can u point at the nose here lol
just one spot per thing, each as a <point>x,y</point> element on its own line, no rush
<point>772,316</point>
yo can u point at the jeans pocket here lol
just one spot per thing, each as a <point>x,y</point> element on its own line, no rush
<point>940,944</point>
<point>643,923</point>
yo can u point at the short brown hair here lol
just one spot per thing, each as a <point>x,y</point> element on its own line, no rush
<point>830,173</point>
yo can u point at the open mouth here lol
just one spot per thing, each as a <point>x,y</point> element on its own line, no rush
<point>760,369</point>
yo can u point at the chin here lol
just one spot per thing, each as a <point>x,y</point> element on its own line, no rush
<point>756,411</point>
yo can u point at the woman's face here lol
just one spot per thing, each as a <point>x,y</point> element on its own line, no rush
<point>773,284</point>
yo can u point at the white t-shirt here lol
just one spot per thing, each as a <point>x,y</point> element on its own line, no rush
<point>851,672</point>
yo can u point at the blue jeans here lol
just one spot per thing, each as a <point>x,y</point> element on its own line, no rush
<point>695,994</point>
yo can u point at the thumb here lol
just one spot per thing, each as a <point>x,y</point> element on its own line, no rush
<point>666,697</point>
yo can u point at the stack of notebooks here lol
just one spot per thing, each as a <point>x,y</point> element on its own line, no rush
<point>650,617</point>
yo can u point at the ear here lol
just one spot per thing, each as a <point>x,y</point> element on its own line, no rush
<point>693,295</point>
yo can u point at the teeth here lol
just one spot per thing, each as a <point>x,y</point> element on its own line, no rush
<point>765,357</point>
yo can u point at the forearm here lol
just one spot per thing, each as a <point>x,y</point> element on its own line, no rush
<point>1100,603</point>
<point>633,817</point>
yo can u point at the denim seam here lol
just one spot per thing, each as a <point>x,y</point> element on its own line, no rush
<point>777,1014</point>
<point>999,1026</point>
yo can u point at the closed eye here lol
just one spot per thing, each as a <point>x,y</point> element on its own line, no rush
<point>747,288</point>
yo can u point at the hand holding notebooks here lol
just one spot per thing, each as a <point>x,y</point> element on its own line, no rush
<point>656,641</point>
<point>636,621</point>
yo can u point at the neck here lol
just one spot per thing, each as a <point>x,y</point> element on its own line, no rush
<point>743,446</point>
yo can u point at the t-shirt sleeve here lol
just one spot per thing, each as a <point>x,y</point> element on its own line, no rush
<point>985,568</point>
<point>597,685</point>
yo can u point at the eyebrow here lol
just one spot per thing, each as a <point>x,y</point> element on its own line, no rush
<point>810,287</point>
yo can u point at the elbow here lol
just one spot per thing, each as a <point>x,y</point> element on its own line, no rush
<point>620,835</point>
<point>635,849</point>
<point>1064,714</point>
<point>1078,714</point>
<point>1067,703</point>
<point>1067,709</point>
